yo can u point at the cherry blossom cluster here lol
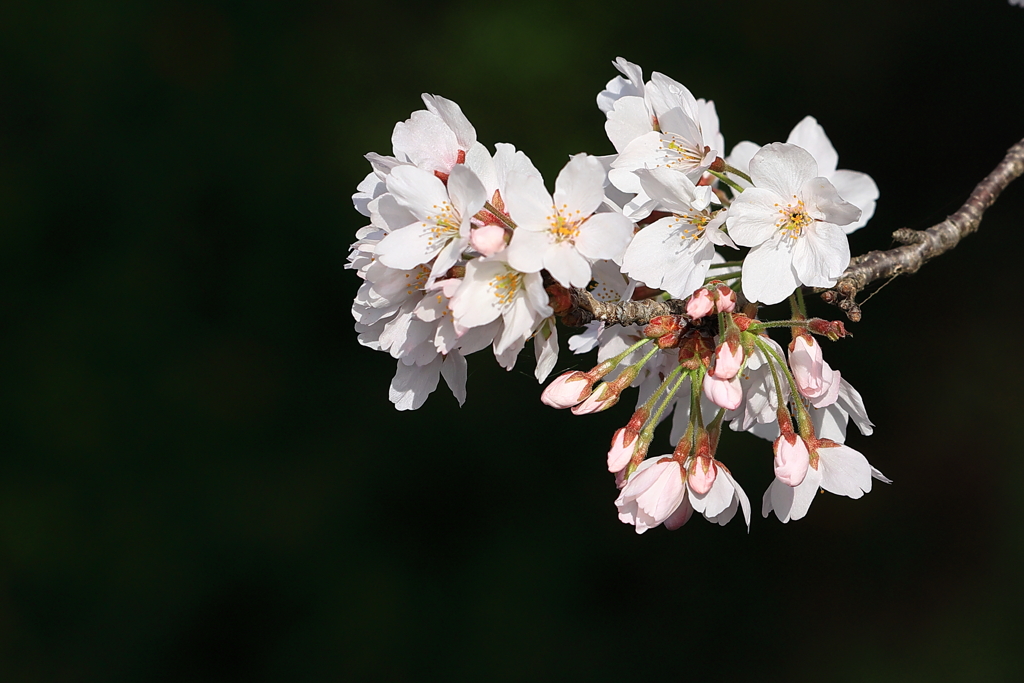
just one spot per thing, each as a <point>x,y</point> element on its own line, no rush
<point>467,249</point>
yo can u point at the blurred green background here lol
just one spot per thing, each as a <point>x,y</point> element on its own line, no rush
<point>202,479</point>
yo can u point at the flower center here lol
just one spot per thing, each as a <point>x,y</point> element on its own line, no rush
<point>698,223</point>
<point>565,225</point>
<point>680,153</point>
<point>446,223</point>
<point>793,219</point>
<point>506,286</point>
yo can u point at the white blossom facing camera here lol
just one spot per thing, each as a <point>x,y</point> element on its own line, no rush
<point>561,233</point>
<point>674,253</point>
<point>442,227</point>
<point>791,218</point>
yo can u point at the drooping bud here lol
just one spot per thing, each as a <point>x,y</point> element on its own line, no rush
<point>700,304</point>
<point>724,393</point>
<point>488,239</point>
<point>728,360</point>
<point>624,443</point>
<point>602,398</point>
<point>702,477</point>
<point>725,301</point>
<point>566,390</point>
<point>791,459</point>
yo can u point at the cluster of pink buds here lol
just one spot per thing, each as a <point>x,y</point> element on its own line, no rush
<point>717,365</point>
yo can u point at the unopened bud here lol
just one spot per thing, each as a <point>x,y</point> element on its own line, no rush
<point>488,239</point>
<point>700,304</point>
<point>791,459</point>
<point>602,398</point>
<point>726,300</point>
<point>623,444</point>
<point>703,476</point>
<point>566,390</point>
<point>724,393</point>
<point>728,360</point>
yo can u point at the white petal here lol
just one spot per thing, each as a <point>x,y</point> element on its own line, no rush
<point>605,236</point>
<point>858,189</point>
<point>409,247</point>
<point>419,191</point>
<point>579,188</point>
<point>427,141</point>
<point>846,472</point>
<point>412,384</point>
<point>567,265</point>
<point>466,190</point>
<point>527,201</point>
<point>811,136</point>
<point>782,168</point>
<point>452,115</point>
<point>820,255</point>
<point>628,120</point>
<point>825,204</point>
<point>752,216</point>
<point>545,348</point>
<point>454,371</point>
<point>768,275</point>
<point>525,252</point>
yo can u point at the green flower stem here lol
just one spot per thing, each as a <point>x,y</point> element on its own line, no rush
<point>618,359</point>
<point>800,301</point>
<point>721,176</point>
<point>803,419</point>
<point>696,418</point>
<point>722,276</point>
<point>736,171</point>
<point>677,374</point>
<point>764,325</point>
<point>727,264</point>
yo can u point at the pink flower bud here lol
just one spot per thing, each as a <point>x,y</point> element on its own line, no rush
<point>728,361</point>
<point>602,398</point>
<point>703,475</point>
<point>726,302</point>
<point>488,239</point>
<point>806,363</point>
<point>814,378</point>
<point>566,390</point>
<point>791,459</point>
<point>623,445</point>
<point>724,393</point>
<point>700,304</point>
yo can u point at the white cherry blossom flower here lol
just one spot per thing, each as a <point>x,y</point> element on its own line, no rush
<point>791,217</point>
<point>675,252</point>
<point>720,502</point>
<point>562,234</point>
<point>493,289</point>
<point>855,187</point>
<point>442,227</point>
<point>654,491</point>
<point>838,469</point>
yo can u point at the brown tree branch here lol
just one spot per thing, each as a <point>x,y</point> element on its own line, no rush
<point>918,247</point>
<point>921,245</point>
<point>585,308</point>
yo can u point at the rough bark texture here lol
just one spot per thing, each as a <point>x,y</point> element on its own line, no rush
<point>921,245</point>
<point>918,247</point>
<point>586,308</point>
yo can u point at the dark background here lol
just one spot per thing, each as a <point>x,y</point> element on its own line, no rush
<point>202,479</point>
